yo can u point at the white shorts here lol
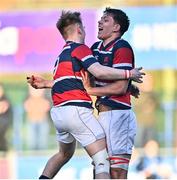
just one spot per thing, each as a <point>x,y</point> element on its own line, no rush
<point>120,130</point>
<point>73,122</point>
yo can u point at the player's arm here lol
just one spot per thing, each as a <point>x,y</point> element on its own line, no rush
<point>39,82</point>
<point>84,54</point>
<point>107,73</point>
<point>115,88</point>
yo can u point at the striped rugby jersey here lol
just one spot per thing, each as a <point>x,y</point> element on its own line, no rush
<point>118,54</point>
<point>68,88</point>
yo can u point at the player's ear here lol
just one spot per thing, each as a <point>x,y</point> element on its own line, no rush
<point>116,27</point>
<point>79,30</point>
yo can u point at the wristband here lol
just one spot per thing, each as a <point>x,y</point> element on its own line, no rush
<point>127,74</point>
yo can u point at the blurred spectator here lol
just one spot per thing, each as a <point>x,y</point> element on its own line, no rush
<point>150,161</point>
<point>5,119</point>
<point>37,109</point>
<point>146,110</point>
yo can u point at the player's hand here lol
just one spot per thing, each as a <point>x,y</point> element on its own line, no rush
<point>36,82</point>
<point>134,91</point>
<point>137,75</point>
<point>86,80</point>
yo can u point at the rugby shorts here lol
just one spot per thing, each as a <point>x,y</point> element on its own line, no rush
<point>73,122</point>
<point>120,129</point>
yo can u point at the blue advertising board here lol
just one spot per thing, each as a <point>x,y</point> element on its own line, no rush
<point>31,167</point>
<point>153,35</point>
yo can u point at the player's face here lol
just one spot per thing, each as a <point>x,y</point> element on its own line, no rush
<point>106,27</point>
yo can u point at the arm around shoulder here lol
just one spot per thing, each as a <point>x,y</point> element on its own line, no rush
<point>107,73</point>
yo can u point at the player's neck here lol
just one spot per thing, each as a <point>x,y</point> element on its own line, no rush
<point>75,39</point>
<point>108,40</point>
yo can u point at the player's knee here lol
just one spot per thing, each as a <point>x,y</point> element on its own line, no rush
<point>101,162</point>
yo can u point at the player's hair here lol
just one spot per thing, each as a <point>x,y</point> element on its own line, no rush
<point>119,17</point>
<point>65,21</point>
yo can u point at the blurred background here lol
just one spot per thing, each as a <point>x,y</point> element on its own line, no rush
<point>30,43</point>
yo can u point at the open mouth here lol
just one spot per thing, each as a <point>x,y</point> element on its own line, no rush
<point>100,29</point>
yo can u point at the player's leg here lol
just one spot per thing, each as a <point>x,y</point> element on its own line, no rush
<point>98,153</point>
<point>66,143</point>
<point>90,134</point>
<point>120,129</point>
<point>119,166</point>
<point>55,163</point>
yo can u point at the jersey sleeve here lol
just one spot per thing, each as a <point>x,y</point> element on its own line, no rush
<point>84,54</point>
